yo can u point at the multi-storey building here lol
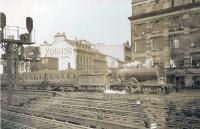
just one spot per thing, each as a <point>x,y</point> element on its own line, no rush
<point>168,31</point>
<point>75,54</point>
<point>100,63</point>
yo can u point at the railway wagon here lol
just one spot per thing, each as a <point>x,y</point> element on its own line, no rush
<point>95,82</point>
<point>49,80</point>
<point>65,80</point>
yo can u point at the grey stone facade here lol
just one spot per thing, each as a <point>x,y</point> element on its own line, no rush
<point>169,32</point>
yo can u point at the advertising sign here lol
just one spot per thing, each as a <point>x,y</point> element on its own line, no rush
<point>61,50</point>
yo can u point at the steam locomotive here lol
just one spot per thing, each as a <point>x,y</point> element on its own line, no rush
<point>145,80</point>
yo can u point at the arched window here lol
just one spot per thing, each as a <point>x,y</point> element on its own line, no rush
<point>81,59</point>
<point>87,61</point>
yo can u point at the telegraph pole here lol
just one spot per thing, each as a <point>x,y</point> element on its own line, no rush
<point>10,46</point>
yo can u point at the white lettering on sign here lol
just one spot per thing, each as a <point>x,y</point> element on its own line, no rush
<point>64,51</point>
<point>58,51</point>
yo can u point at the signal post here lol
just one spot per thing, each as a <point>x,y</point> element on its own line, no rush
<point>10,46</point>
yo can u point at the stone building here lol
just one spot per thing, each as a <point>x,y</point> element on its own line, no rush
<point>100,63</point>
<point>75,54</point>
<point>168,31</point>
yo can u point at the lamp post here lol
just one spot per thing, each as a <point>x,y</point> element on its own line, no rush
<point>10,46</point>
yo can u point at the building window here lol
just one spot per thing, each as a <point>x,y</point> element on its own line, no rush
<point>139,9</point>
<point>181,2</point>
<point>181,63</point>
<point>195,44</point>
<point>140,46</point>
<point>57,76</point>
<point>176,23</point>
<point>156,26</point>
<point>87,61</point>
<point>158,5</point>
<point>194,20</point>
<point>196,81</point>
<point>139,29</point>
<point>154,45</point>
<point>34,77</point>
<point>175,42</point>
<point>157,43</point>
<point>77,59</point>
<point>196,59</point>
<point>69,65</point>
<point>42,77</point>
<point>179,60</point>
<point>81,59</point>
<point>195,40</point>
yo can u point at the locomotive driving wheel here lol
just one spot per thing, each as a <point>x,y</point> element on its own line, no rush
<point>159,90</point>
<point>133,84</point>
<point>146,90</point>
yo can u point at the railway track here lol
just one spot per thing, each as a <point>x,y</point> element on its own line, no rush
<point>158,108</point>
<point>119,111</point>
<point>86,122</point>
<point>131,114</point>
<point>13,120</point>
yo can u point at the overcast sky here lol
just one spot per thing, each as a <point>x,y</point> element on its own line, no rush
<point>98,21</point>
